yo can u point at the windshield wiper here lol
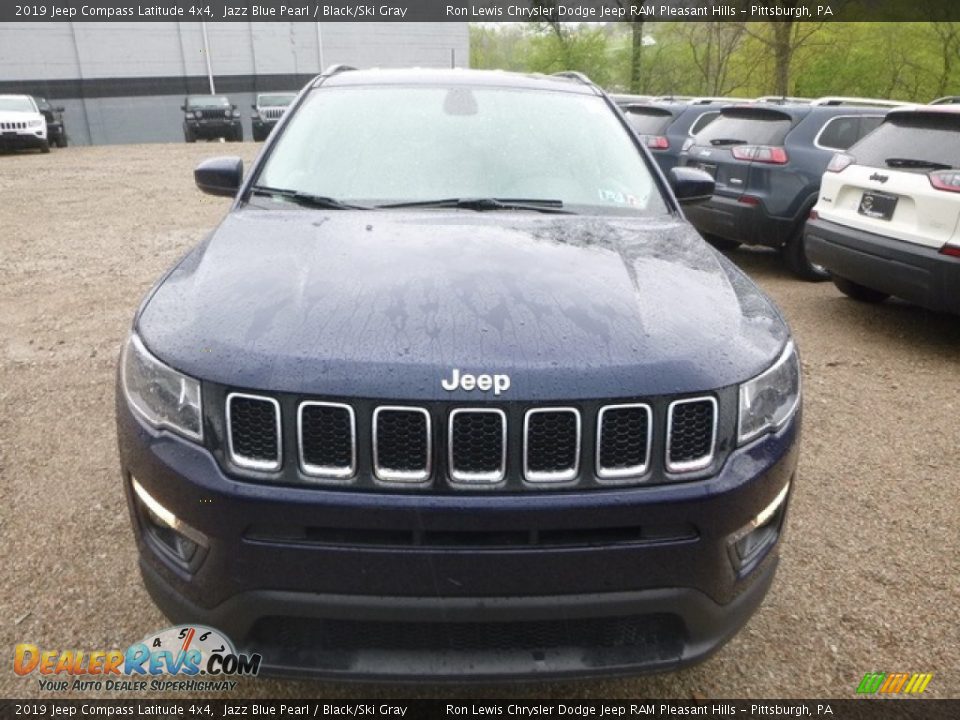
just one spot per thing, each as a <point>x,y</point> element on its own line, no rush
<point>305,199</point>
<point>921,164</point>
<point>728,141</point>
<point>481,204</point>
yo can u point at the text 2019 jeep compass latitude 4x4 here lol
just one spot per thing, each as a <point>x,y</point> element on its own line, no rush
<point>452,392</point>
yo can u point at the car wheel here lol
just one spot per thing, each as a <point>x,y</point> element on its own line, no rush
<point>44,146</point>
<point>62,141</point>
<point>238,134</point>
<point>721,243</point>
<point>795,254</point>
<point>189,136</point>
<point>858,291</point>
<point>258,135</point>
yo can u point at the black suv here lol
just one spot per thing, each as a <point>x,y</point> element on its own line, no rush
<point>56,130</point>
<point>666,126</point>
<point>767,160</point>
<point>210,117</point>
<point>444,398</point>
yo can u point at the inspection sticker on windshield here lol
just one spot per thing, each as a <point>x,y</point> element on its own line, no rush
<point>615,196</point>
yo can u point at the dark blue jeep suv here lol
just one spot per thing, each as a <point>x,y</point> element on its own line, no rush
<point>767,160</point>
<point>451,393</point>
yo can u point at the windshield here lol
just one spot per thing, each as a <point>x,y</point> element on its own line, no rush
<point>275,100</point>
<point>208,101</point>
<point>906,139</point>
<point>747,127</point>
<point>376,145</point>
<point>649,121</point>
<point>16,104</point>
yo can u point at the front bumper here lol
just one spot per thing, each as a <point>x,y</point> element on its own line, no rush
<point>463,611</point>
<point>22,139</point>
<point>911,272</point>
<point>728,218</point>
<point>213,128</point>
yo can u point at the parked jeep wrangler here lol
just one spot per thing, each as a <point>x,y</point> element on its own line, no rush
<point>442,397</point>
<point>210,117</point>
<point>267,112</point>
<point>56,130</point>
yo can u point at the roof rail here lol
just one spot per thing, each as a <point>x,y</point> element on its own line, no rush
<point>574,75</point>
<point>783,99</point>
<point>338,68</point>
<point>709,100</point>
<point>869,102</point>
<point>948,100</point>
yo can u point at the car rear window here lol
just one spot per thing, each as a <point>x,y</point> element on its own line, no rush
<point>705,119</point>
<point>932,137</point>
<point>649,121</point>
<point>753,126</point>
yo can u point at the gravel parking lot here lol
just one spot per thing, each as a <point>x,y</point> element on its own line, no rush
<point>870,578</point>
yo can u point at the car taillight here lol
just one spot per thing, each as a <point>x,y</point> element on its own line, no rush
<point>761,153</point>
<point>656,142</point>
<point>840,162</point>
<point>948,180</point>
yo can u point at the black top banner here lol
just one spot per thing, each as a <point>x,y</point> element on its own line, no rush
<point>482,10</point>
<point>574,709</point>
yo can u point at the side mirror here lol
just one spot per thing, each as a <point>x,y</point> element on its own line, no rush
<point>254,106</point>
<point>219,176</point>
<point>183,108</point>
<point>691,185</point>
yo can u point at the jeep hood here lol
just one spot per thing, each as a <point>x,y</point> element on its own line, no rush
<point>385,304</point>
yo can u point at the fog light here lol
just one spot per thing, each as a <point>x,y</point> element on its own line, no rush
<point>169,530</point>
<point>761,532</point>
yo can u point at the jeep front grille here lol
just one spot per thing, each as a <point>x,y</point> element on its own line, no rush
<point>507,446</point>
<point>691,434</point>
<point>551,449</point>
<point>623,441</point>
<point>402,445</point>
<point>13,126</point>
<point>253,431</point>
<point>213,114</point>
<point>477,445</point>
<point>272,113</point>
<point>327,437</point>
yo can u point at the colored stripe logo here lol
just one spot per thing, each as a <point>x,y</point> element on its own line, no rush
<point>894,683</point>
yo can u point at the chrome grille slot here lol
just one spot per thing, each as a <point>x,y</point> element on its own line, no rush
<point>327,439</point>
<point>691,434</point>
<point>402,444</point>
<point>477,445</point>
<point>624,433</point>
<point>551,447</point>
<point>214,114</point>
<point>272,113</point>
<point>253,431</point>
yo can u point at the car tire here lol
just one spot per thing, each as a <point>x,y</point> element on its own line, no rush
<point>859,292</point>
<point>237,135</point>
<point>795,254</point>
<point>721,243</point>
<point>258,135</point>
<point>189,136</point>
<point>62,141</point>
<point>44,146</point>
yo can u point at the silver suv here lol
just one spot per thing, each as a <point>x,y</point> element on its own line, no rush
<point>267,112</point>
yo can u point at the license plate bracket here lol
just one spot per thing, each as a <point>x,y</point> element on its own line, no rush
<point>877,205</point>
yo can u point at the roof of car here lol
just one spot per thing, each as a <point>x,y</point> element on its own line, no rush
<point>459,76</point>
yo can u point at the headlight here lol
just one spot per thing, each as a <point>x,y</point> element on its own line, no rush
<point>164,397</point>
<point>37,122</point>
<point>768,401</point>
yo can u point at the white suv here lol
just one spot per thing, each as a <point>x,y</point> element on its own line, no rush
<point>21,124</point>
<point>888,218</point>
